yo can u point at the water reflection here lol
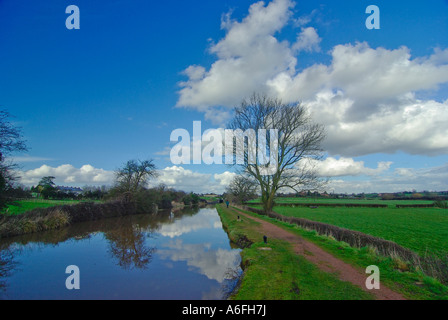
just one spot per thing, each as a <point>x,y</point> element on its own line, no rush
<point>128,246</point>
<point>179,255</point>
<point>7,265</point>
<point>206,219</point>
<point>212,263</point>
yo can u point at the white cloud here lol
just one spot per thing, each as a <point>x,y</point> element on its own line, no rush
<point>368,76</point>
<point>195,72</point>
<point>181,179</point>
<point>402,179</point>
<point>188,180</point>
<point>68,174</point>
<point>308,40</point>
<point>225,178</point>
<point>247,56</point>
<point>368,98</point>
<point>439,57</point>
<point>412,126</point>
<point>331,167</point>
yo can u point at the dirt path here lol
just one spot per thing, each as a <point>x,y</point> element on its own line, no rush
<point>323,259</point>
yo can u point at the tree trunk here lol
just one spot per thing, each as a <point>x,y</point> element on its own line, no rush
<point>268,201</point>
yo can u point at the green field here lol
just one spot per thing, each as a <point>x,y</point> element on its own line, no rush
<point>423,230</point>
<point>26,205</point>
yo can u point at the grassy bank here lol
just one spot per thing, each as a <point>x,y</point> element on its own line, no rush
<point>395,273</point>
<point>54,217</point>
<point>278,273</point>
<point>22,206</point>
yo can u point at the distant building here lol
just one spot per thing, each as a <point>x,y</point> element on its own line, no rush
<point>75,190</point>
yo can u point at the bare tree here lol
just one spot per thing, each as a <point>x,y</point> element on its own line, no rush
<point>10,136</point>
<point>10,141</point>
<point>285,132</point>
<point>243,188</point>
<point>135,174</point>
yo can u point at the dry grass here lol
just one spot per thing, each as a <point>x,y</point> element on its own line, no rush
<point>36,222</point>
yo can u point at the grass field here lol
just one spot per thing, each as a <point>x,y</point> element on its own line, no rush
<point>423,230</point>
<point>30,204</point>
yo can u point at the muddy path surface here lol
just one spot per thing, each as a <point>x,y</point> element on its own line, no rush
<point>322,259</point>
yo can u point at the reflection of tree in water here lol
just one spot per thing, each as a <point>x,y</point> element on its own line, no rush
<point>127,244</point>
<point>7,265</point>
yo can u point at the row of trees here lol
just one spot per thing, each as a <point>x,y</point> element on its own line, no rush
<point>47,189</point>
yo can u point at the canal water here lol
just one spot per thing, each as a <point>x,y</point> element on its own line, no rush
<point>168,256</point>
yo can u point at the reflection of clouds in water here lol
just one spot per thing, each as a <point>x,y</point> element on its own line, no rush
<point>204,219</point>
<point>214,293</point>
<point>212,263</point>
<point>217,224</point>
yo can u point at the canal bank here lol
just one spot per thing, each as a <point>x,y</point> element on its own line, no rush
<point>273,271</point>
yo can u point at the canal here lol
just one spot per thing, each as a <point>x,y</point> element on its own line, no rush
<point>184,254</point>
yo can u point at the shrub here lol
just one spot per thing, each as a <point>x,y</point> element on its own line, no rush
<point>441,204</point>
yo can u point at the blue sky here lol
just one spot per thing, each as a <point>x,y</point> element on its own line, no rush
<point>88,100</point>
